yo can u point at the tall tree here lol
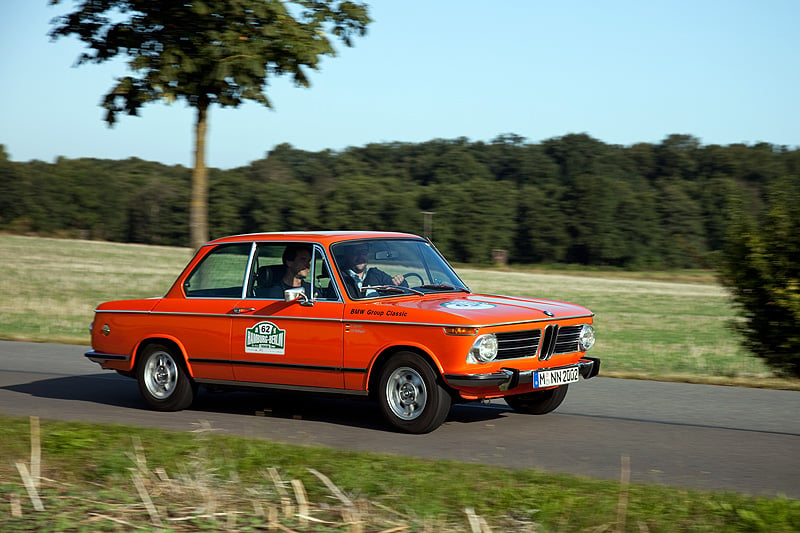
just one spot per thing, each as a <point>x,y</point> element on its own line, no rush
<point>207,52</point>
<point>12,191</point>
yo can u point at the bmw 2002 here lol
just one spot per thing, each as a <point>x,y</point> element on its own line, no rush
<point>377,314</point>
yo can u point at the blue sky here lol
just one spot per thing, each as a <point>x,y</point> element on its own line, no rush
<point>725,71</point>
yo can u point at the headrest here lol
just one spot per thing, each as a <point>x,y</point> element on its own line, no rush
<point>269,275</point>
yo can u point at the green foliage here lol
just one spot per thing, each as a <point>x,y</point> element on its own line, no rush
<point>361,203</point>
<point>567,200</point>
<point>473,218</point>
<point>682,217</point>
<point>12,199</point>
<point>211,52</point>
<point>761,267</point>
<point>542,225</point>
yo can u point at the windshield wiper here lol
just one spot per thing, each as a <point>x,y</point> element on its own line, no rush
<point>443,287</point>
<point>391,288</point>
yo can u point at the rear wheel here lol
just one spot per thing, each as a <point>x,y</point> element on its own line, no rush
<point>410,396</point>
<point>537,402</point>
<point>163,380</point>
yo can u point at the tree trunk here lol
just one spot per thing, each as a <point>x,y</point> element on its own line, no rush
<point>198,209</point>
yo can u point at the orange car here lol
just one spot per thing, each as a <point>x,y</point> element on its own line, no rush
<point>364,313</point>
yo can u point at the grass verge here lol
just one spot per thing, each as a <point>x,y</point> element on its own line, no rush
<point>85,477</point>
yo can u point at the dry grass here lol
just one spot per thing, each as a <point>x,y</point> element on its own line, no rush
<point>178,482</point>
<point>549,284</point>
<point>50,287</point>
<point>197,499</point>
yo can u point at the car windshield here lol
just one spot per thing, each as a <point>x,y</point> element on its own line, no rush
<point>373,268</point>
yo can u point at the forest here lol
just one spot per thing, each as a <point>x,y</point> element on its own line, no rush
<point>571,199</point>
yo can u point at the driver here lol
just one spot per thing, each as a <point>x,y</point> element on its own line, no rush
<point>357,274</point>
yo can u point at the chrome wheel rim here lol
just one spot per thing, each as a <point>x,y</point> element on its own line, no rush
<point>406,393</point>
<point>160,375</point>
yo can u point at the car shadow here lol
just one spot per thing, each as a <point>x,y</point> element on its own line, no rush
<point>118,391</point>
<point>104,388</point>
<point>328,408</point>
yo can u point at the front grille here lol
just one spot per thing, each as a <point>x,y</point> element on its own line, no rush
<point>519,344</point>
<point>568,339</point>
<point>516,344</point>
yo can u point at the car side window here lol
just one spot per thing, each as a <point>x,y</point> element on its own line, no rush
<point>324,287</point>
<point>220,274</point>
<point>267,271</point>
<point>275,263</point>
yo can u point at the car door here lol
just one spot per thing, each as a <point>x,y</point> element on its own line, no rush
<point>201,320</point>
<point>294,344</point>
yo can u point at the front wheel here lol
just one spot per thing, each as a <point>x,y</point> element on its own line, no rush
<point>163,381</point>
<point>410,396</point>
<point>537,402</point>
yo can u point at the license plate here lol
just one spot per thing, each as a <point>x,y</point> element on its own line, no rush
<point>553,378</point>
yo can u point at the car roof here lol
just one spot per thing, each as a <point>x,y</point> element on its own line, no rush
<point>323,237</point>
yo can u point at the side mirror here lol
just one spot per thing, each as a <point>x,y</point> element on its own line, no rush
<point>296,293</point>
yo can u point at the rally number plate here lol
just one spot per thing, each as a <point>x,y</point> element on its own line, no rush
<point>553,378</point>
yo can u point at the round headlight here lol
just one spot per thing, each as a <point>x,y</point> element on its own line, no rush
<point>484,349</point>
<point>586,338</point>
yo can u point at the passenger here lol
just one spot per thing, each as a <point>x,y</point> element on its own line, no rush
<point>357,274</point>
<point>297,262</point>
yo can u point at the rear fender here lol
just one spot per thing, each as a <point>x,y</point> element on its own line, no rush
<point>163,339</point>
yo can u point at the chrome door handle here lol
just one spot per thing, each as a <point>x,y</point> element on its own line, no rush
<point>240,310</point>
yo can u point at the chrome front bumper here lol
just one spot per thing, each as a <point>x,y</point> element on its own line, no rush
<point>509,378</point>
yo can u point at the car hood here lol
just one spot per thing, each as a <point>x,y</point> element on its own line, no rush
<point>475,309</point>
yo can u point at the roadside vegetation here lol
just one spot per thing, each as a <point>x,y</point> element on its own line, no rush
<point>57,476</point>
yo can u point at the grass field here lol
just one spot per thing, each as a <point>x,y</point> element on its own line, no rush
<point>659,325</point>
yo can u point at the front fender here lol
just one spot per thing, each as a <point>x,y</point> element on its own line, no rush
<point>373,371</point>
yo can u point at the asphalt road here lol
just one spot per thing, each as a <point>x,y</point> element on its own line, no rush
<point>694,436</point>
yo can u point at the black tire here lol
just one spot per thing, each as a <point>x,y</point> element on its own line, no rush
<point>163,381</point>
<point>410,395</point>
<point>537,402</point>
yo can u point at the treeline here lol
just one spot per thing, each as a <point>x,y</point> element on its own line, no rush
<point>571,199</point>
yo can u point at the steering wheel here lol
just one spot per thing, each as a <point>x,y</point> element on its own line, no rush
<point>414,275</point>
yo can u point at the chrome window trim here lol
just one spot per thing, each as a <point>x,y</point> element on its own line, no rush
<point>410,239</point>
<point>245,277</point>
<point>327,260</point>
<point>248,273</point>
<point>315,247</point>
